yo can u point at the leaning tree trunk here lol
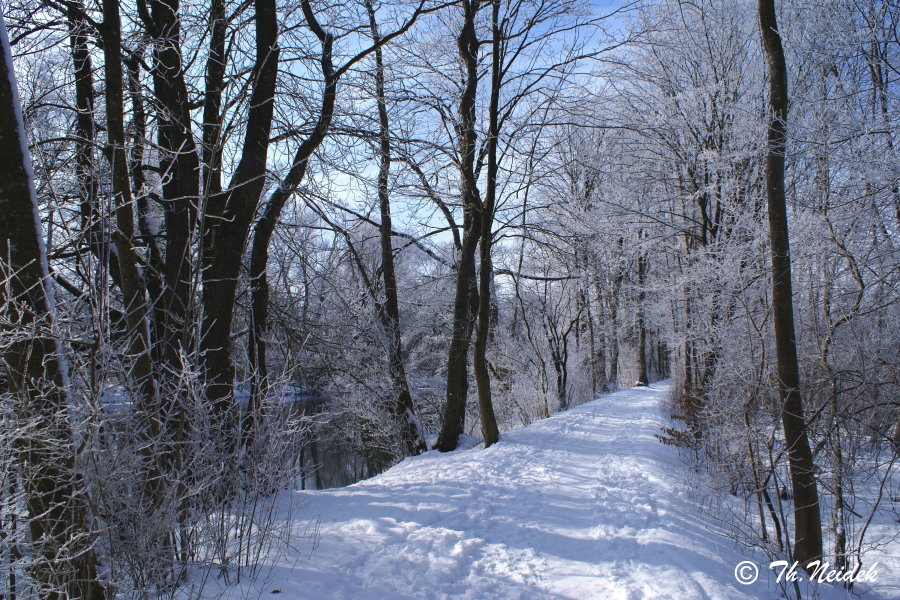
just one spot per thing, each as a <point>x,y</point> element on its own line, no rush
<point>265,226</point>
<point>807,520</point>
<point>463,308</point>
<point>62,559</point>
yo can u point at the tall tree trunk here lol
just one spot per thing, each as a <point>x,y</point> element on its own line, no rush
<point>134,293</point>
<point>614,342</point>
<point>265,226</point>
<point>597,346</point>
<point>151,414</point>
<point>63,559</point>
<point>614,322</point>
<point>227,222</point>
<point>807,519</point>
<point>180,168</point>
<point>152,275</point>
<point>410,428</point>
<point>489,429</point>
<point>211,150</point>
<point>642,378</point>
<point>465,304</point>
<point>84,126</point>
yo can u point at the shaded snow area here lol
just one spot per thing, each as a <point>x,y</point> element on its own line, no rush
<point>584,505</point>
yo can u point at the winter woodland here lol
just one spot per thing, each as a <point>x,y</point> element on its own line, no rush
<point>253,247</point>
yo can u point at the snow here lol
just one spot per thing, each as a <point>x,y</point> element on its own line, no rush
<point>586,504</point>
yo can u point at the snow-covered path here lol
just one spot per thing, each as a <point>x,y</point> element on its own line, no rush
<point>586,504</point>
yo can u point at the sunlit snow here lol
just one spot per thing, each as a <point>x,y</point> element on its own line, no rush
<point>587,504</point>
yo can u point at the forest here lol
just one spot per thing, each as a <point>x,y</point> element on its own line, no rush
<point>256,246</point>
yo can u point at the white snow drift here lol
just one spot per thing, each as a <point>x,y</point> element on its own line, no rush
<point>584,505</point>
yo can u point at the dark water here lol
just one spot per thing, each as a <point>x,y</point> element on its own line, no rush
<point>328,460</point>
<point>328,463</point>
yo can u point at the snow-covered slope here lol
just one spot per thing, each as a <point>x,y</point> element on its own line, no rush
<point>586,504</point>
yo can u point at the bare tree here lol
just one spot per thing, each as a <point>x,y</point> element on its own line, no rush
<point>489,428</point>
<point>388,312</point>
<point>64,563</point>
<point>807,519</point>
<point>227,220</point>
<point>465,297</point>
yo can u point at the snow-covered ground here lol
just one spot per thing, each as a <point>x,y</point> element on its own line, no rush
<point>584,505</point>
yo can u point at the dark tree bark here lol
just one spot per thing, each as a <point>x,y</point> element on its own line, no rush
<point>84,126</point>
<point>559,352</point>
<point>152,275</point>
<point>63,559</point>
<point>180,168</point>
<point>463,309</point>
<point>134,293</point>
<point>489,429</point>
<point>227,222</point>
<point>151,413</point>
<point>807,519</point>
<point>211,151</point>
<point>410,428</point>
<point>642,378</point>
<point>614,322</point>
<point>265,226</point>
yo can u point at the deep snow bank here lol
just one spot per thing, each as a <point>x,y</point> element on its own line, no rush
<point>586,504</point>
